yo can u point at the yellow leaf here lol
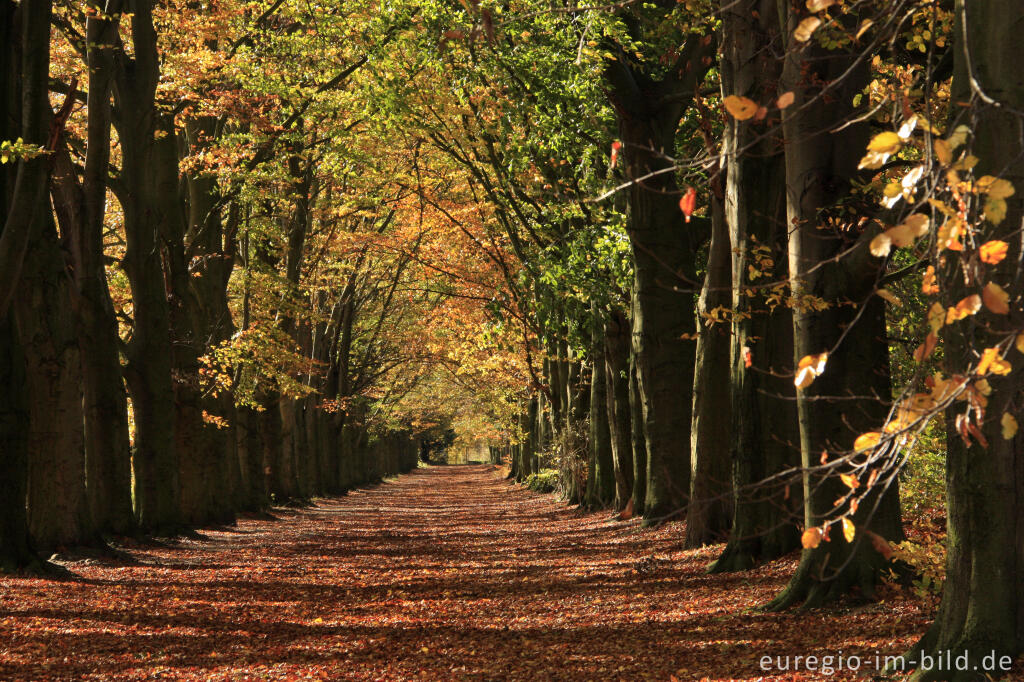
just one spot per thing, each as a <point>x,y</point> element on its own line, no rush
<point>995,298</point>
<point>881,245</point>
<point>318,620</point>
<point>967,306</point>
<point>889,296</point>
<point>1019,343</point>
<point>864,26</point>
<point>918,224</point>
<point>995,210</point>
<point>992,252</point>
<point>995,188</point>
<point>741,108</point>
<point>992,362</point>
<point>849,530</point>
<point>901,235</point>
<point>1009,425</point>
<point>880,148</point>
<point>806,29</point>
<point>811,538</point>
<point>943,152</point>
<point>966,163</point>
<point>865,441</point>
<point>818,5</point>
<point>886,143</point>
<point>785,99</point>
<point>809,367</point>
<point>936,316</point>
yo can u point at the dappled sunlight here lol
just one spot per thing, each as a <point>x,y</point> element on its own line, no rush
<point>446,573</point>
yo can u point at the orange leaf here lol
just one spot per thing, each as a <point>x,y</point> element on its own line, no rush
<point>1009,425</point>
<point>616,146</point>
<point>992,362</point>
<point>809,367</point>
<point>811,538</point>
<point>995,298</point>
<point>879,544</point>
<point>928,285</point>
<point>967,306</point>
<point>925,350</point>
<point>806,29</point>
<point>741,108</point>
<point>993,251</point>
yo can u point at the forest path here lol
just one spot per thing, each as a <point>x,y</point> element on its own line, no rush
<point>444,573</point>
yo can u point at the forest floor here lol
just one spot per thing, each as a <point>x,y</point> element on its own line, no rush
<point>444,573</point>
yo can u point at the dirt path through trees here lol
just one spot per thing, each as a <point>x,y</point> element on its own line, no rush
<point>445,573</point>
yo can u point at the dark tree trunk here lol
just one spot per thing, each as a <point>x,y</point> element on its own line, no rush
<point>616,359</point>
<point>850,397</point>
<point>59,514</point>
<point>710,507</point>
<point>982,608</point>
<point>765,440</point>
<point>107,443</point>
<point>664,257</point>
<point>15,549</point>
<point>149,354</point>
<point>637,441</point>
<point>250,457</point>
<point>24,112</point>
<point>600,470</point>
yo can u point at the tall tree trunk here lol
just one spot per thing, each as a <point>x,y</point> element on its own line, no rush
<point>107,442</point>
<point>982,608</point>
<point>764,439</point>
<point>637,441</point>
<point>849,398</point>
<point>601,470</point>
<point>16,551</point>
<point>59,513</point>
<point>710,507</point>
<point>149,354</point>
<point>664,259</point>
<point>616,359</point>
<point>24,112</point>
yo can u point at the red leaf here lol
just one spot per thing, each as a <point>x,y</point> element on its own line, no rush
<point>616,146</point>
<point>688,202</point>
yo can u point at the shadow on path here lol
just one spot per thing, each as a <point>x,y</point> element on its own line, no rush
<point>445,573</point>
